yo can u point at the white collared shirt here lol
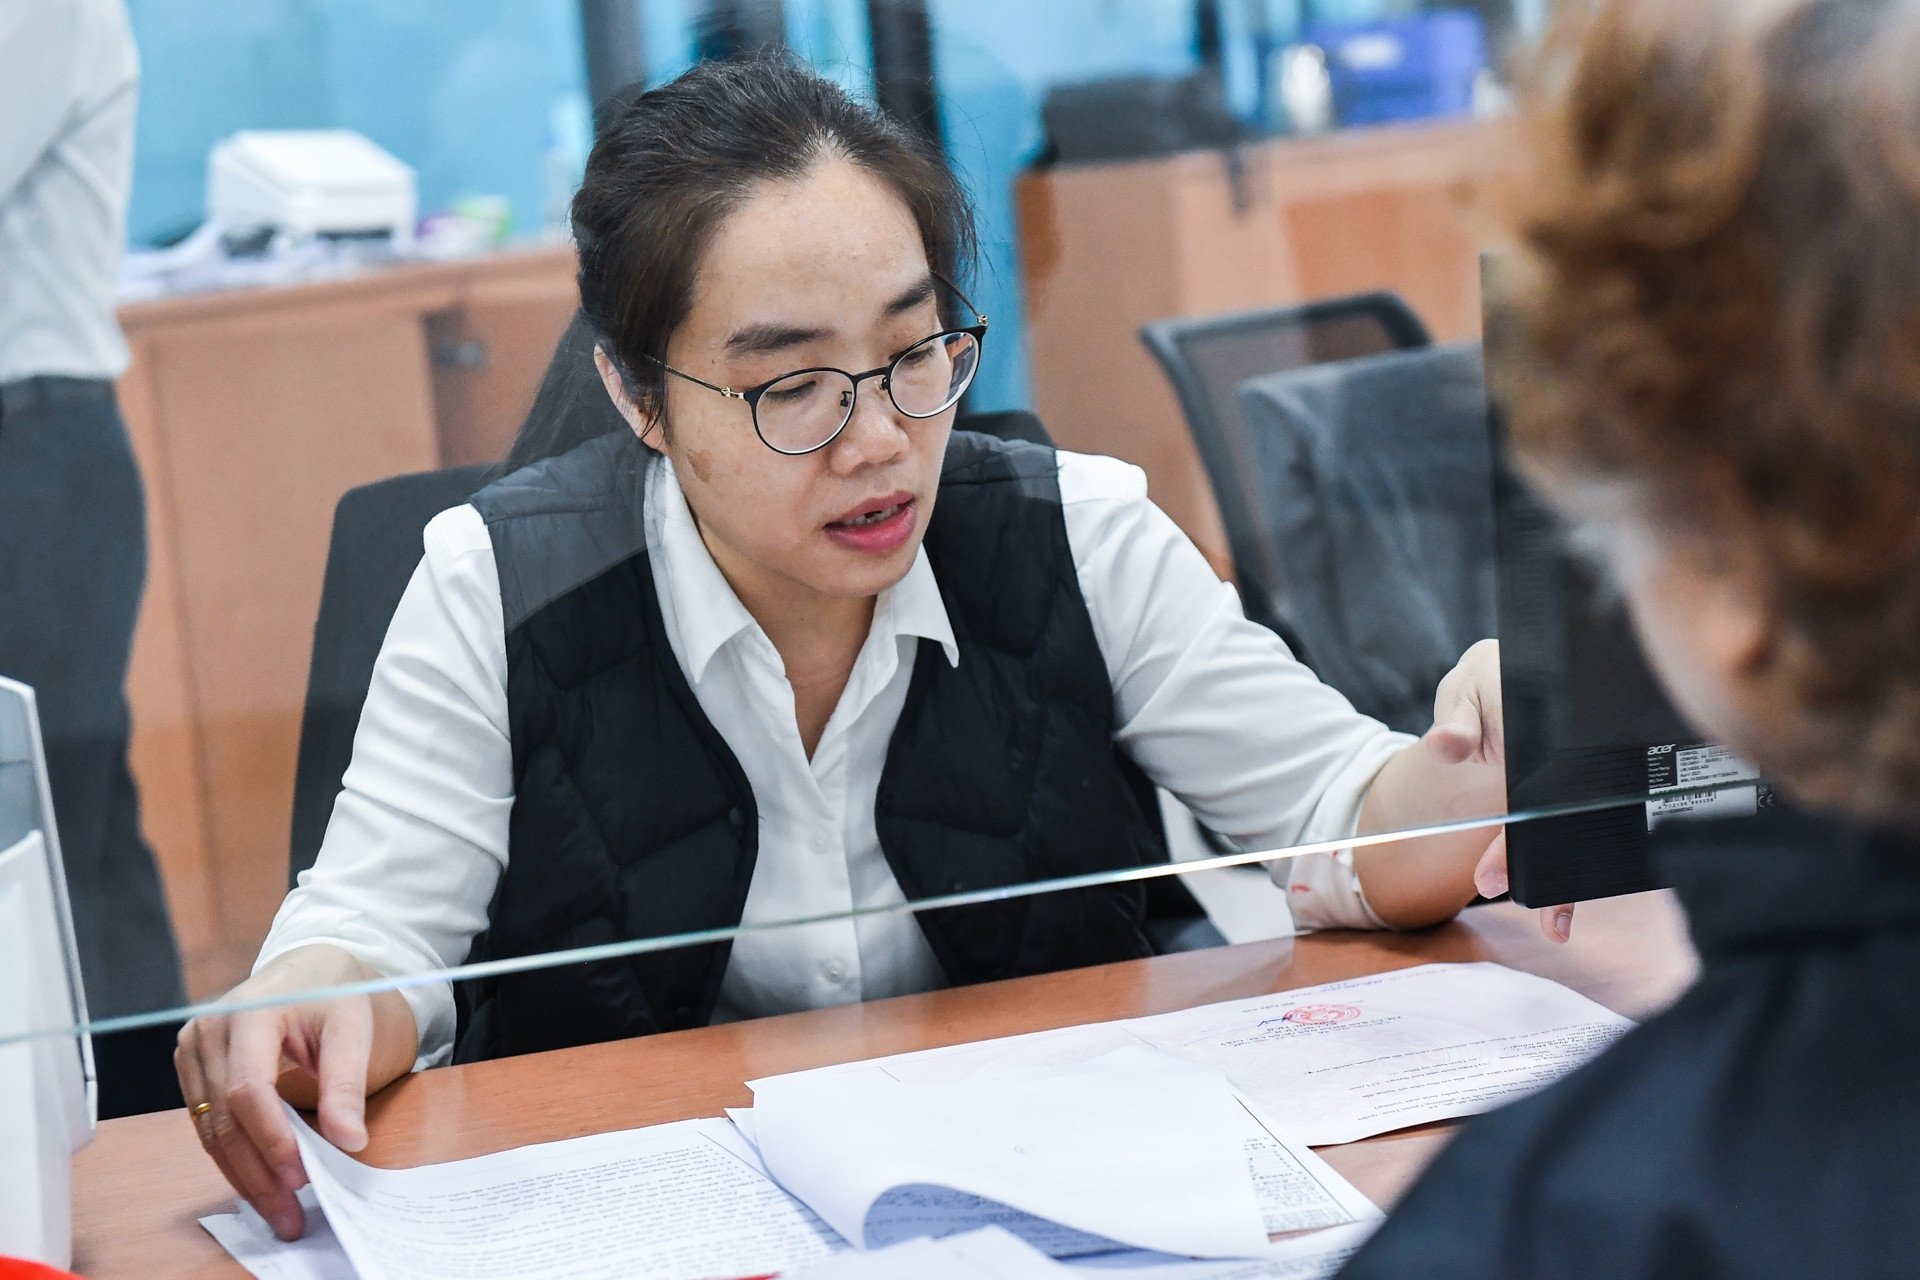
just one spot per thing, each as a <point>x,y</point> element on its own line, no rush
<point>1211,706</point>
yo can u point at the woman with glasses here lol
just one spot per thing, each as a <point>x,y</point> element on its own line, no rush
<point>784,646</point>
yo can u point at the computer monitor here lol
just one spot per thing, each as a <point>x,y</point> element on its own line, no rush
<point>47,1079</point>
<point>1585,718</point>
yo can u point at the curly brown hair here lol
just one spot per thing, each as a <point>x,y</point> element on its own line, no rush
<point>1716,309</point>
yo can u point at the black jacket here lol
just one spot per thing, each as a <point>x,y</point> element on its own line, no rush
<point>1768,1124</point>
<point>633,819</point>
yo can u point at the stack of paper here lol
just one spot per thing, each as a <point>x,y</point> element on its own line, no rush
<point>994,1254</point>
<point>671,1202</point>
<point>1134,1149</point>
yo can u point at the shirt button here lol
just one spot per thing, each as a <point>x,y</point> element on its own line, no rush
<point>820,843</point>
<point>836,972</point>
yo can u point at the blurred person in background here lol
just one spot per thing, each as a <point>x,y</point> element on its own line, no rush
<point>72,519</point>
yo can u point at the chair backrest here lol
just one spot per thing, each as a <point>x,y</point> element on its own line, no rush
<point>1374,485</point>
<point>1007,424</point>
<point>372,555</point>
<point>1208,357</point>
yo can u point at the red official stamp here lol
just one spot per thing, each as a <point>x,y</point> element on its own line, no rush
<point>1320,1015</point>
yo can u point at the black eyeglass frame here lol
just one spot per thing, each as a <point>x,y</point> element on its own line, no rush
<point>751,395</point>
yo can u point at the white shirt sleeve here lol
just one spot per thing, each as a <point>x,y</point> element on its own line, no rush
<point>418,837</point>
<point>40,50</point>
<point>1214,707</point>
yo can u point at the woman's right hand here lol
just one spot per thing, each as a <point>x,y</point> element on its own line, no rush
<point>333,1051</point>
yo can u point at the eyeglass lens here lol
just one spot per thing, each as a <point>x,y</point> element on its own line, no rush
<point>806,410</point>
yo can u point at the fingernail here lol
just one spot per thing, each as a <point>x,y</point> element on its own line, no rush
<point>285,1226</point>
<point>1563,924</point>
<point>1491,882</point>
<point>294,1177</point>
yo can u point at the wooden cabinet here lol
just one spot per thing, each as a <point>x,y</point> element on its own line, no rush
<point>251,412</point>
<point>1108,247</point>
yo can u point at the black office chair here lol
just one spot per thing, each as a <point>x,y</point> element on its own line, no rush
<point>372,555</point>
<point>1207,357</point>
<point>1007,424</point>
<point>1373,478</point>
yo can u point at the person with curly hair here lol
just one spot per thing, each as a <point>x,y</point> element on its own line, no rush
<point>1713,370</point>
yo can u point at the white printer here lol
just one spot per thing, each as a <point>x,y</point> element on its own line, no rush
<point>308,184</point>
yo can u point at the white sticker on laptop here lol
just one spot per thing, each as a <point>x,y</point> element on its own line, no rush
<point>1736,789</point>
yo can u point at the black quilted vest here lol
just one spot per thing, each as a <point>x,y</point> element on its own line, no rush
<point>632,818</point>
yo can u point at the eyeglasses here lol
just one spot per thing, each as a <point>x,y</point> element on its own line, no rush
<point>806,410</point>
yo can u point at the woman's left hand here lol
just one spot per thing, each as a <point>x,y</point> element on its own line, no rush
<point>1468,730</point>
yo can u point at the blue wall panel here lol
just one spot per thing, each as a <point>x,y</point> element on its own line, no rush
<point>480,96</point>
<point>488,96</point>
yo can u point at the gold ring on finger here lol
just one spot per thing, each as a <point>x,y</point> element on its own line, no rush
<point>200,1109</point>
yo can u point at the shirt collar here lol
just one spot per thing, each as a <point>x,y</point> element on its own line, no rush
<point>913,606</point>
<point>706,614</point>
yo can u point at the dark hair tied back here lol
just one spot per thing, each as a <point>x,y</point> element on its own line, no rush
<point>669,166</point>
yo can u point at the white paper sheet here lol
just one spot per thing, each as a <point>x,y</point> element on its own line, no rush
<point>317,1255</point>
<point>994,1254</point>
<point>671,1202</point>
<point>1342,1061</point>
<point>1310,1257</point>
<point>1346,1060</point>
<point>1135,1148</point>
<point>987,1254</point>
<point>1295,1189</point>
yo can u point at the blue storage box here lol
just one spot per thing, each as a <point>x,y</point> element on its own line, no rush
<point>1402,68</point>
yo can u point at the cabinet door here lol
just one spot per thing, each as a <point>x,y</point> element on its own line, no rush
<point>165,750</point>
<point>262,419</point>
<point>490,352</point>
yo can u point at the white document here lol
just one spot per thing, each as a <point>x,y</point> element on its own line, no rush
<point>1134,1149</point>
<point>1295,1189</point>
<point>1346,1060</point>
<point>1310,1257</point>
<point>995,1254</point>
<point>317,1255</point>
<point>1341,1061</point>
<point>671,1202</point>
<point>987,1254</point>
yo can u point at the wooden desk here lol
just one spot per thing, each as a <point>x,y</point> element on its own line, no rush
<point>142,1185</point>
